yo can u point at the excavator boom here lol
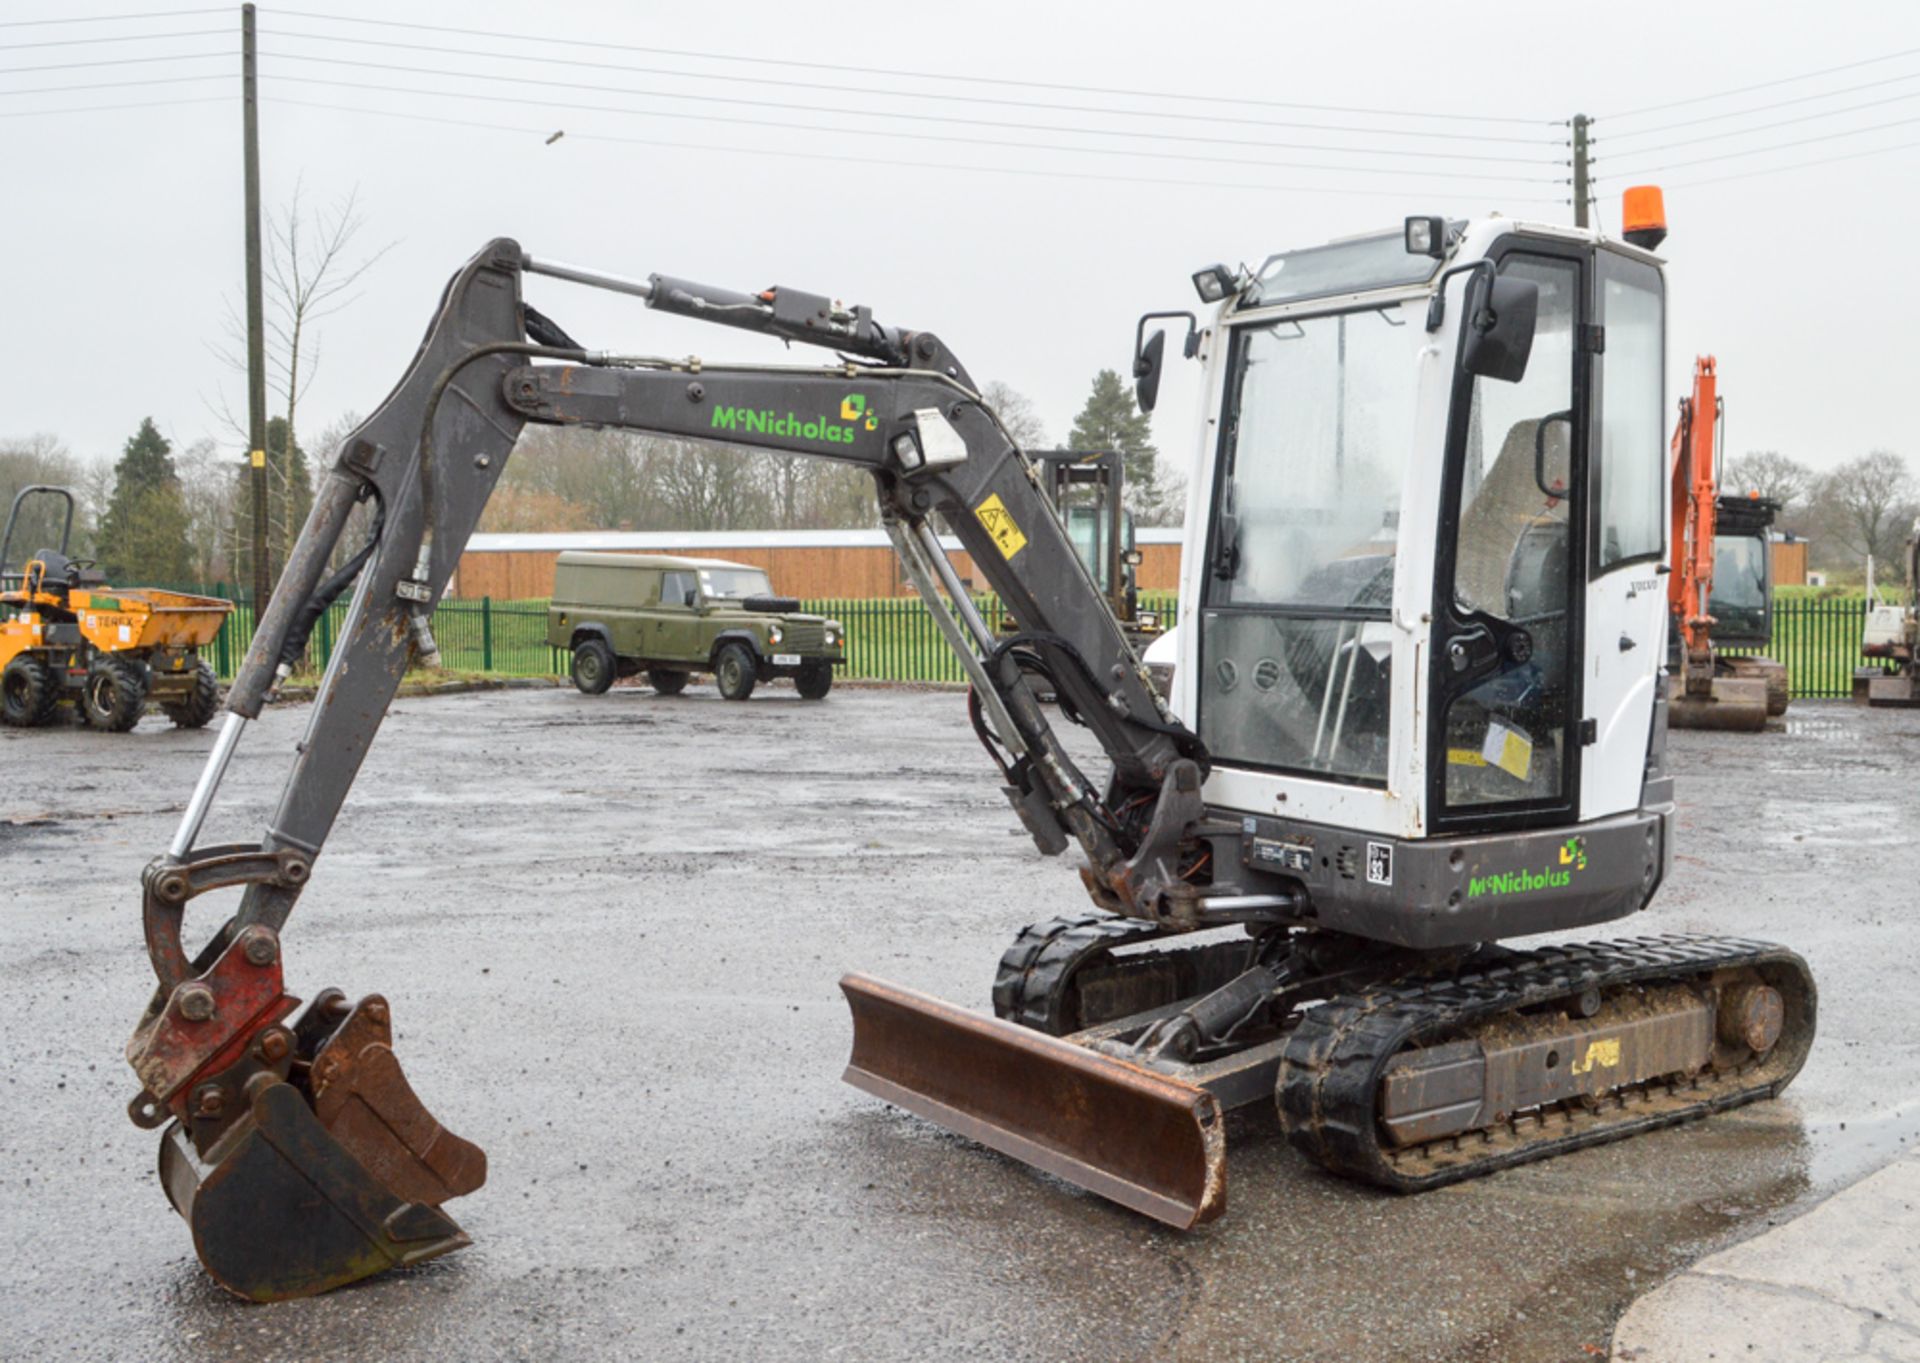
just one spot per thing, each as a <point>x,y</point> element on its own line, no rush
<point>259,1101</point>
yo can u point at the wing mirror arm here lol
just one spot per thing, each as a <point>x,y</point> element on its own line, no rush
<point>1149,350</point>
<point>1437,308</point>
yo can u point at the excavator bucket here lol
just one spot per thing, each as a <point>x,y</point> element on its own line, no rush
<point>1733,703</point>
<point>1143,1139</point>
<point>279,1209</point>
<point>333,1172</point>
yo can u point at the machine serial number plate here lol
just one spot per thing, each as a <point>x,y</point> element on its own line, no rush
<point>786,660</point>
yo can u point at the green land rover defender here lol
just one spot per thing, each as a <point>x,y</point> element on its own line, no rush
<point>622,614</point>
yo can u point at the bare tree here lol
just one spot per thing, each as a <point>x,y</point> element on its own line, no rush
<point>1866,507</point>
<point>208,489</point>
<point>42,458</point>
<point>1769,473</point>
<point>1016,412</point>
<point>309,270</point>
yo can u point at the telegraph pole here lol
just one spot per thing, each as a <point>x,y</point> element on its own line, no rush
<point>256,317</point>
<point>1581,193</point>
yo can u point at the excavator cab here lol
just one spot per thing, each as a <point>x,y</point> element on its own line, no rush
<point>1404,562</point>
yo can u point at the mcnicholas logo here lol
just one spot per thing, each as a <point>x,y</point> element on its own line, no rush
<point>854,417</point>
<point>1572,858</point>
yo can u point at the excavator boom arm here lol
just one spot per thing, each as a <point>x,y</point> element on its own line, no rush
<point>433,452</point>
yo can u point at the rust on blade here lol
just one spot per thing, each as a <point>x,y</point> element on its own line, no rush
<point>1145,1140</point>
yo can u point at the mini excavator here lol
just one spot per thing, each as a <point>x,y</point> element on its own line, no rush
<point>1424,669</point>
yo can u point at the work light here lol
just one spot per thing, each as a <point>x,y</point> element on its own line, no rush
<point>1427,237</point>
<point>1213,283</point>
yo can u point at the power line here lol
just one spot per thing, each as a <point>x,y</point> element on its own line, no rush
<point>1767,108</point>
<point>598,45</point>
<point>111,18</point>
<point>113,61</point>
<point>106,85</point>
<point>1768,127</point>
<point>1002,143</point>
<point>761,81</point>
<point>1765,84</point>
<point>1798,165</point>
<point>855,160</point>
<point>116,38</point>
<point>1778,146</point>
<point>1017,126</point>
<point>96,108</point>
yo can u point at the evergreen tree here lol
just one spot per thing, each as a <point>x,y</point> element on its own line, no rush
<point>1112,421</point>
<point>143,536</point>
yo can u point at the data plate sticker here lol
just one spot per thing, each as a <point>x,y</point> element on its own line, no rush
<point>1379,863</point>
<point>786,660</point>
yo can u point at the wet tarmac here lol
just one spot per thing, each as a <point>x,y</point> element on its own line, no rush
<point>611,930</point>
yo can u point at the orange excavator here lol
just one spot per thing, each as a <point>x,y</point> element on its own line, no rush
<point>1721,587</point>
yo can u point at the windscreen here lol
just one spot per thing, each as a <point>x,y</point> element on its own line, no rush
<point>1323,424</point>
<point>1739,601</point>
<point>733,584</point>
<point>1295,645</point>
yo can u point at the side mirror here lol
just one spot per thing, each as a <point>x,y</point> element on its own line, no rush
<point>1146,371</point>
<point>1149,350</point>
<point>1133,558</point>
<point>691,595</point>
<point>1501,315</point>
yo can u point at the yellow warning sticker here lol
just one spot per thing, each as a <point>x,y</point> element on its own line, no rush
<point>259,459</point>
<point>1508,749</point>
<point>1465,757</point>
<point>1000,524</point>
<point>1600,1055</point>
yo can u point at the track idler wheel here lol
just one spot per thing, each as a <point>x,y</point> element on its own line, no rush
<point>330,1171</point>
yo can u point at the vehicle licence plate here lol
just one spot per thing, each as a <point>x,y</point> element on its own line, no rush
<point>786,660</point>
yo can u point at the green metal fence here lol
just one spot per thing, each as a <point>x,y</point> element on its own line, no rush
<point>896,639</point>
<point>1819,641</point>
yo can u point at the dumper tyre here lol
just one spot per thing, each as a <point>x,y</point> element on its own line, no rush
<point>200,703</point>
<point>593,666</point>
<point>813,681</point>
<point>29,691</point>
<point>735,671</point>
<point>114,695</point>
<point>667,681</point>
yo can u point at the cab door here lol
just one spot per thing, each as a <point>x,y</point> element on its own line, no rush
<point>1504,736</point>
<point>1627,489</point>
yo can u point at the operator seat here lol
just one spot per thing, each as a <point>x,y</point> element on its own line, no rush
<point>60,574</point>
<point>1506,511</point>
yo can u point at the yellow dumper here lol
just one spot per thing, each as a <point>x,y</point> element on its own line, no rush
<point>66,635</point>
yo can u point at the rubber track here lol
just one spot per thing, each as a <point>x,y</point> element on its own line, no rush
<point>1330,1074</point>
<point>1031,985</point>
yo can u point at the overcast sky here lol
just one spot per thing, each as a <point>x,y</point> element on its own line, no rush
<point>123,228</point>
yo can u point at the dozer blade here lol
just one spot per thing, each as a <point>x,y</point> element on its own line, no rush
<point>279,1209</point>
<point>1142,1139</point>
